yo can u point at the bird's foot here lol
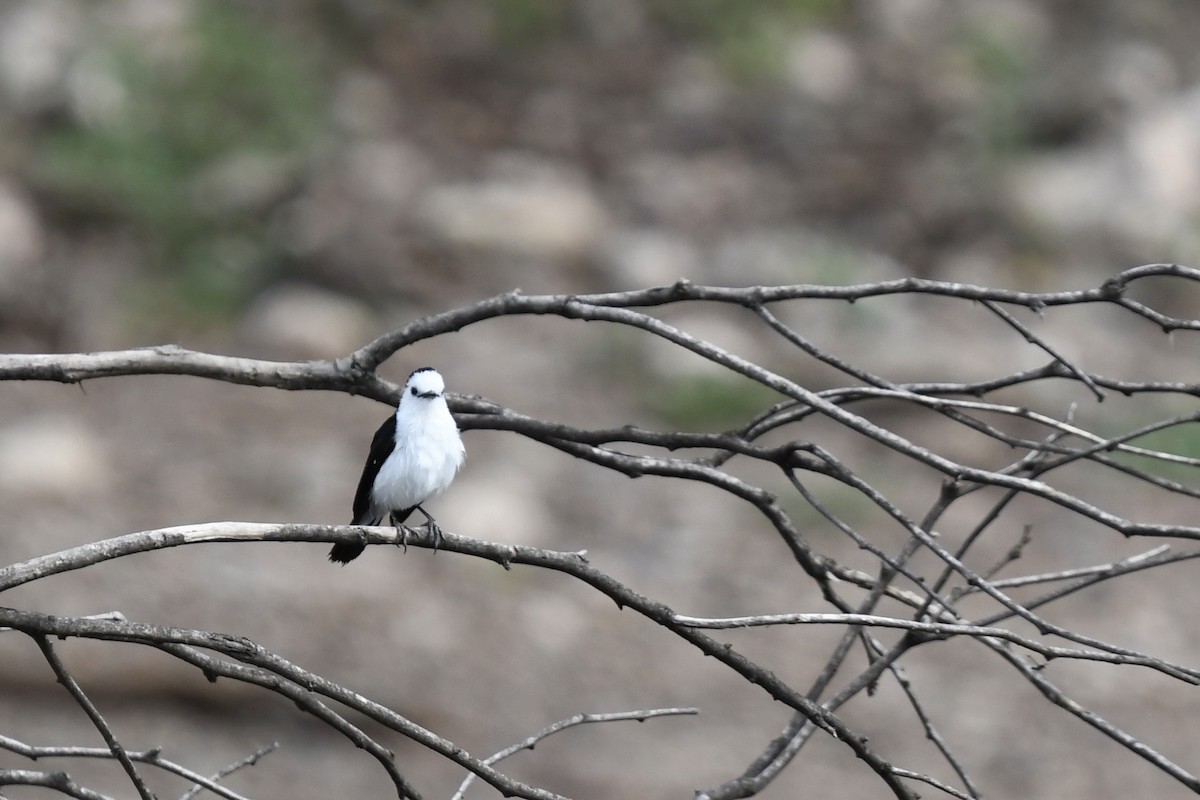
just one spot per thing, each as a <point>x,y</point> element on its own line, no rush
<point>435,531</point>
<point>402,541</point>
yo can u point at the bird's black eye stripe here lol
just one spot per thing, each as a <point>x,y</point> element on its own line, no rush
<point>414,391</point>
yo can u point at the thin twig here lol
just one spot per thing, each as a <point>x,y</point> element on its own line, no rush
<point>225,772</point>
<point>933,735</point>
<point>1109,569</point>
<point>1059,698</point>
<point>943,629</point>
<point>152,757</point>
<point>935,783</point>
<point>64,677</point>
<point>965,404</point>
<point>309,702</point>
<point>570,564</point>
<point>974,579</point>
<point>579,719</point>
<point>1034,339</point>
<point>59,781</point>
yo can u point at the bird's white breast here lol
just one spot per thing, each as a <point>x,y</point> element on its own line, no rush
<point>427,455</point>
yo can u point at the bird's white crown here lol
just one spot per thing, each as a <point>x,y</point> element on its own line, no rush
<point>425,381</point>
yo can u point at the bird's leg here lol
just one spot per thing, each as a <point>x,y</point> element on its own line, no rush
<point>402,530</point>
<point>434,529</point>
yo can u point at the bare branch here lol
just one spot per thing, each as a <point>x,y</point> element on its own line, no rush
<point>935,783</point>
<point>932,734</point>
<point>1060,699</point>
<point>59,781</point>
<point>243,649</point>
<point>304,699</point>
<point>93,713</point>
<point>1109,569</point>
<point>151,757</point>
<point>1032,338</point>
<point>943,629</point>
<point>1051,452</point>
<point>266,669</point>
<point>579,719</point>
<point>211,783</point>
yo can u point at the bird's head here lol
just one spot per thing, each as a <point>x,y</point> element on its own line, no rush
<point>424,384</point>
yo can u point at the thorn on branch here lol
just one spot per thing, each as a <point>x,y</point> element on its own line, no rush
<point>506,559</point>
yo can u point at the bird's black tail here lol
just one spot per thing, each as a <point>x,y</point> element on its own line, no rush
<point>345,552</point>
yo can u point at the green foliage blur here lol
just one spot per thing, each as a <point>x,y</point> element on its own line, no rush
<point>708,402</point>
<point>243,93</point>
<point>204,144</point>
<point>746,36</point>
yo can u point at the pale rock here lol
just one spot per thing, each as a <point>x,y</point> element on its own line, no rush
<point>775,256</point>
<point>387,173</point>
<point>701,192</point>
<point>558,625</point>
<point>822,65</point>
<point>551,121</point>
<point>1163,146</point>
<point>38,40</point>
<point>1137,74</point>
<point>52,456</point>
<point>1069,193</point>
<point>95,92</point>
<point>242,181</point>
<point>541,212</point>
<point>614,23</point>
<point>1024,26</point>
<point>908,21</point>
<point>363,104</point>
<point>22,240</point>
<point>307,322</point>
<point>1142,185</point>
<point>693,86</point>
<point>162,29</point>
<point>647,257</point>
<point>498,500</point>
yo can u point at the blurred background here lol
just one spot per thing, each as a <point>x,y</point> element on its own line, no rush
<point>289,180</point>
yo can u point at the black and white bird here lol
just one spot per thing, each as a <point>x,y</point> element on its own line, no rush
<point>414,456</point>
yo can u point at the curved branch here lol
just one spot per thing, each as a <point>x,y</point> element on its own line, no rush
<point>1028,475</point>
<point>573,564</point>
<point>59,781</point>
<point>940,630</point>
<point>303,698</point>
<point>265,668</point>
<point>1059,698</point>
<point>89,708</point>
<point>152,757</point>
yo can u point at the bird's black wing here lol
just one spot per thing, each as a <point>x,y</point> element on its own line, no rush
<point>381,447</point>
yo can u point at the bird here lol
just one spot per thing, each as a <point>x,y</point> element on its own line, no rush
<point>414,456</point>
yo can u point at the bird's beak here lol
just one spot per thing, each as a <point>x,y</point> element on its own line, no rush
<point>428,395</point>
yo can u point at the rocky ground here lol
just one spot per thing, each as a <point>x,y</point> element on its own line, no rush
<point>290,181</point>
